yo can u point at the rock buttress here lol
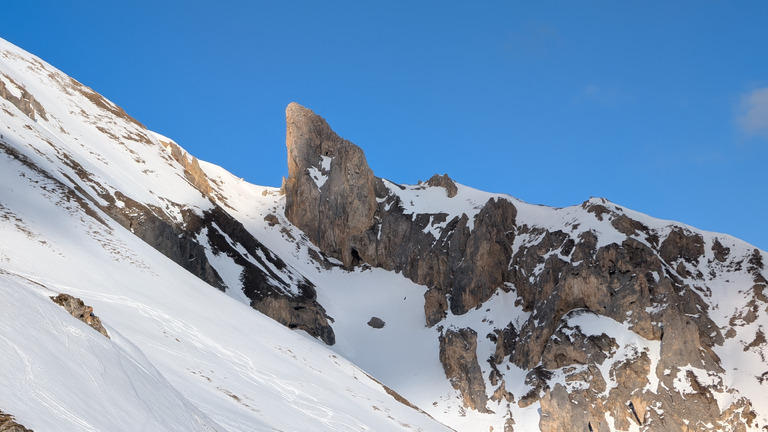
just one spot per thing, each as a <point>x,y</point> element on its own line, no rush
<point>330,188</point>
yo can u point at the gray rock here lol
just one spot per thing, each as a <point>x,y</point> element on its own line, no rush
<point>376,322</point>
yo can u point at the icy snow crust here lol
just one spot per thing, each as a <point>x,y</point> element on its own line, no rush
<point>216,363</point>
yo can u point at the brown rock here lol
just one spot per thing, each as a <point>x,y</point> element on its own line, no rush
<point>297,314</point>
<point>458,355</point>
<point>721,252</point>
<point>445,182</point>
<point>192,170</point>
<point>332,195</point>
<point>682,244</point>
<point>435,306</point>
<point>81,311</point>
<point>7,422</point>
<point>336,212</point>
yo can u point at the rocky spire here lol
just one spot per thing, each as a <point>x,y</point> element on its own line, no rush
<point>330,188</point>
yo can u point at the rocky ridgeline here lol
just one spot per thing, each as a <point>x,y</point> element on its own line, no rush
<point>650,281</point>
<point>273,287</point>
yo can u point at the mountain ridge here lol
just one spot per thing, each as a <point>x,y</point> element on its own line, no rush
<point>578,317</point>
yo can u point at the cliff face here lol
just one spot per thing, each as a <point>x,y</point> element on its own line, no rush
<point>618,313</point>
<point>332,195</point>
<point>330,188</point>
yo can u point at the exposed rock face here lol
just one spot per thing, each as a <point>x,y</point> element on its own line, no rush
<point>81,311</point>
<point>330,188</point>
<point>458,356</point>
<point>658,371</point>
<point>332,195</point>
<point>192,169</point>
<point>8,424</point>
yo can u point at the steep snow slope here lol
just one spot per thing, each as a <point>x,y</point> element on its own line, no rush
<point>241,368</point>
<point>184,356</point>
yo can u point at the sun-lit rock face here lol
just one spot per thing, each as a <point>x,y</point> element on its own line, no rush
<point>616,318</point>
<point>330,188</point>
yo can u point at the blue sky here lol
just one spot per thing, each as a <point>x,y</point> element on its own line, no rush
<point>661,107</point>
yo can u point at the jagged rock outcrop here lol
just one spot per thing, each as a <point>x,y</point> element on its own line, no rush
<point>78,309</point>
<point>652,282</point>
<point>8,424</point>
<point>330,188</point>
<point>332,195</point>
<point>191,165</point>
<point>459,358</point>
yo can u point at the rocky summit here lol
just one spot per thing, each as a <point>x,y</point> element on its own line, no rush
<point>343,301</point>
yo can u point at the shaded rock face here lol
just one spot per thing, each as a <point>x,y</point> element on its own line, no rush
<point>333,196</point>
<point>8,424</point>
<point>445,182</point>
<point>81,311</point>
<point>459,358</point>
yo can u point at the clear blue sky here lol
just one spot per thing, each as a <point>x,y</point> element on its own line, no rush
<point>658,106</point>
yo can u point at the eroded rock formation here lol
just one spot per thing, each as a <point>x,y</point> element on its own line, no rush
<point>458,354</point>
<point>78,309</point>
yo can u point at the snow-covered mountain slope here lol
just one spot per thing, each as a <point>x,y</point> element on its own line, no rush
<point>182,354</point>
<point>146,183</point>
<point>485,312</point>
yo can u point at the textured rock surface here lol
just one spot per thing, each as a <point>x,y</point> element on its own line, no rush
<point>333,196</point>
<point>459,358</point>
<point>8,424</point>
<point>445,182</point>
<point>376,322</point>
<point>26,103</point>
<point>660,373</point>
<point>81,311</point>
<point>330,188</point>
